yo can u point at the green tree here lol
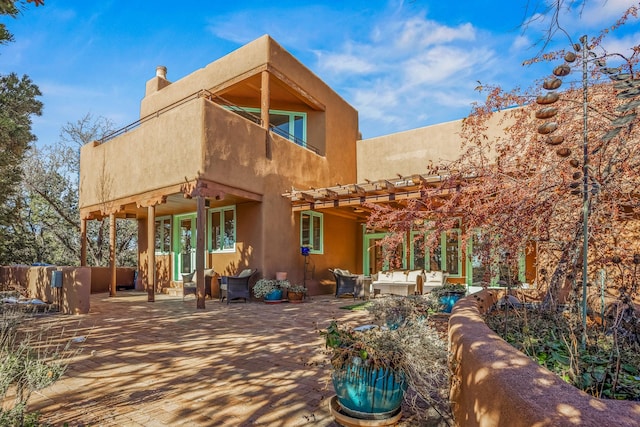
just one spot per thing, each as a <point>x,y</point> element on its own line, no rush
<point>50,218</point>
<point>17,104</point>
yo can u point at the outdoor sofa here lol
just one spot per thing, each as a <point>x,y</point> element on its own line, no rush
<point>398,282</point>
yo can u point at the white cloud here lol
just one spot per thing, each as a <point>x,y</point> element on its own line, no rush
<point>344,63</point>
<point>598,12</point>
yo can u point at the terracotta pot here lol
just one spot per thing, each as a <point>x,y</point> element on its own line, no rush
<point>281,275</point>
<point>295,296</point>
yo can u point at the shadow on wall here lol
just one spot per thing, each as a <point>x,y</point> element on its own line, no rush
<point>494,384</point>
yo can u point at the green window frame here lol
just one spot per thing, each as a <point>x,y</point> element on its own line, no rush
<point>450,263</point>
<point>291,125</point>
<point>312,231</point>
<point>222,225</point>
<point>417,255</point>
<point>494,267</point>
<point>163,235</point>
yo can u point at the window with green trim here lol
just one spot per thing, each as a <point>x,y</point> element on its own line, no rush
<point>419,251</point>
<point>291,125</point>
<point>311,231</point>
<point>222,226</point>
<point>163,235</point>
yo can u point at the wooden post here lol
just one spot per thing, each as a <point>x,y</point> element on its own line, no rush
<point>83,242</point>
<point>201,221</point>
<point>112,253</point>
<point>151,253</point>
<point>265,105</point>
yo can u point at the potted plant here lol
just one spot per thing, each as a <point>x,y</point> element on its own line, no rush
<point>373,366</point>
<point>296,293</point>
<point>367,374</point>
<point>269,289</point>
<point>448,294</point>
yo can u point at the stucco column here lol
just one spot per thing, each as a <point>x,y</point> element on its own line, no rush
<point>83,242</point>
<point>112,253</point>
<point>151,253</point>
<point>265,104</point>
<point>201,223</point>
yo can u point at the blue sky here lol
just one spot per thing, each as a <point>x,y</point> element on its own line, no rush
<point>401,64</point>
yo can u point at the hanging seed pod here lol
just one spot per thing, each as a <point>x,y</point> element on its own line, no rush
<point>576,192</point>
<point>629,93</point>
<point>577,175</point>
<point>620,77</point>
<point>621,121</point>
<point>631,105</point>
<point>547,128</point>
<point>555,140</point>
<point>548,98</point>
<point>546,113</point>
<point>552,84</point>
<point>611,134</point>
<point>569,56</point>
<point>616,259</point>
<point>562,70</point>
<point>563,152</point>
<point>636,259</point>
<point>599,62</point>
<point>575,184</point>
<point>610,71</point>
<point>574,163</point>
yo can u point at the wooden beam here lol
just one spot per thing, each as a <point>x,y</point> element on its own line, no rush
<point>358,190</point>
<point>151,253</point>
<point>332,195</point>
<point>307,197</point>
<point>112,254</point>
<point>201,223</point>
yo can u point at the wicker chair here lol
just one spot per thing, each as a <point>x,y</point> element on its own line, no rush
<point>345,282</point>
<point>188,285</point>
<point>236,287</point>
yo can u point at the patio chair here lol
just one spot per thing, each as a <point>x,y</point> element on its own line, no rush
<point>236,287</point>
<point>188,285</point>
<point>345,282</point>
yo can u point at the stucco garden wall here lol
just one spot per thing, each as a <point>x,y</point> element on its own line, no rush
<point>495,385</point>
<point>72,298</point>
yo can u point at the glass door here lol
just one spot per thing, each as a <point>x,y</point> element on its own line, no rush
<point>375,258</point>
<point>184,245</point>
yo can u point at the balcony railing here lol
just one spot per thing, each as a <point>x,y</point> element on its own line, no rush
<point>218,100</point>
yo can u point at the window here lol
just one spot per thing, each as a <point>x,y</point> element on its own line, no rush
<point>453,260</point>
<point>222,223</point>
<point>311,231</point>
<point>163,235</point>
<point>446,256</point>
<point>291,125</point>
<point>418,251</point>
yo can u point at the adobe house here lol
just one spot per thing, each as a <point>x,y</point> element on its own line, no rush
<point>242,162</point>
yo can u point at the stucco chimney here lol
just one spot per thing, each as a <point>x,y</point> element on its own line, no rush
<point>161,71</point>
<point>158,81</point>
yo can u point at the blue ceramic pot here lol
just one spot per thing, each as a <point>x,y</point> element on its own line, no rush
<point>274,295</point>
<point>448,300</point>
<point>368,393</point>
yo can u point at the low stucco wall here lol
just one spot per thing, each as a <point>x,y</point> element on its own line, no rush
<point>72,298</point>
<point>493,384</point>
<point>101,278</point>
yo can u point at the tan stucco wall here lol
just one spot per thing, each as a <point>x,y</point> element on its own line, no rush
<point>409,152</point>
<point>101,278</point>
<point>161,152</point>
<point>72,298</point>
<point>495,385</point>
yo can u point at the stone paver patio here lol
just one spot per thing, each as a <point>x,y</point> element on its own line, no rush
<point>168,364</point>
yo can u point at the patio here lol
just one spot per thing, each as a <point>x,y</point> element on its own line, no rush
<point>168,364</point>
